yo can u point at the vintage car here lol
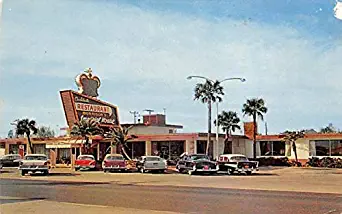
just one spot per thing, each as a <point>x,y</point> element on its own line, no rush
<point>196,163</point>
<point>34,163</point>
<point>10,160</point>
<point>114,162</point>
<point>85,162</point>
<point>232,163</point>
<point>151,163</point>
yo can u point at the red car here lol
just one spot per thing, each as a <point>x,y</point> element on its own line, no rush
<point>114,162</point>
<point>85,162</point>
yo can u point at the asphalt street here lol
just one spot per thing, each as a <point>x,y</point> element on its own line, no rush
<point>167,198</point>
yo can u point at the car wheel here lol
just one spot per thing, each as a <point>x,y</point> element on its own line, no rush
<point>23,172</point>
<point>249,173</point>
<point>123,170</point>
<point>76,169</point>
<point>46,173</point>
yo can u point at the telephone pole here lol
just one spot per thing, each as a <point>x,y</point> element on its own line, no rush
<point>135,114</point>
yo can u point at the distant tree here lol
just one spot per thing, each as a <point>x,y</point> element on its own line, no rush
<point>120,137</point>
<point>208,93</point>
<point>86,128</point>
<point>10,134</point>
<point>291,137</point>
<point>25,127</point>
<point>229,121</point>
<point>44,131</point>
<point>255,108</point>
<point>328,129</point>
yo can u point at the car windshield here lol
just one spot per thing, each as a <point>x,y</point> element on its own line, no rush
<point>198,157</point>
<point>85,158</point>
<point>152,159</point>
<point>114,158</point>
<point>238,158</point>
<point>36,157</point>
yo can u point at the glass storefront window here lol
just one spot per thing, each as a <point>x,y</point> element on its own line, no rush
<point>326,148</point>
<point>168,150</point>
<point>265,148</point>
<point>336,148</point>
<point>272,148</point>
<point>322,148</point>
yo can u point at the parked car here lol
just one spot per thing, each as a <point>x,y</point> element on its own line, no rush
<point>10,160</point>
<point>196,163</point>
<point>114,162</point>
<point>85,162</point>
<point>232,163</point>
<point>34,163</point>
<point>151,163</point>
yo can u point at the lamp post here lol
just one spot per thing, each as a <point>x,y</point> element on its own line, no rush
<point>217,111</point>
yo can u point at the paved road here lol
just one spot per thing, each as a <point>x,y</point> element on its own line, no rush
<point>176,199</point>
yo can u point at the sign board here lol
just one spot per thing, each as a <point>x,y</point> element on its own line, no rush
<point>77,106</point>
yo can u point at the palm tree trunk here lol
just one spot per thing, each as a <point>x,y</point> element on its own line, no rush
<point>254,135</point>
<point>295,150</point>
<point>125,153</point>
<point>29,142</point>
<point>209,127</point>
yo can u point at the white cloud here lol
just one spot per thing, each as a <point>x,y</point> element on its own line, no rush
<point>289,69</point>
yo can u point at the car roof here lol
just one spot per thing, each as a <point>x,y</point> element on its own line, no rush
<point>35,155</point>
<point>233,155</point>
<point>150,156</point>
<point>86,156</point>
<point>115,155</point>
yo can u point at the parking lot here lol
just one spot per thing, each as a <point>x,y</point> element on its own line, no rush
<point>316,180</point>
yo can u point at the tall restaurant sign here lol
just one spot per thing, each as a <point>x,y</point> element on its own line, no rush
<point>77,106</point>
<point>84,104</point>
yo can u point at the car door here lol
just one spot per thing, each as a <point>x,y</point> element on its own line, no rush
<point>181,163</point>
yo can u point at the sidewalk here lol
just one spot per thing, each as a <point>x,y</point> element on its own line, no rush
<point>42,206</point>
<point>277,179</point>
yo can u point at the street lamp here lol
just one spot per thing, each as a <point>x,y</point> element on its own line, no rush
<point>217,111</point>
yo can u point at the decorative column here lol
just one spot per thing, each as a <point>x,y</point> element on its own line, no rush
<point>148,147</point>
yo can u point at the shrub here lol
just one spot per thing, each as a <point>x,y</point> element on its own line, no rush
<point>326,162</point>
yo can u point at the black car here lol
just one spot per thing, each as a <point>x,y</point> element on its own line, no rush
<point>10,160</point>
<point>196,163</point>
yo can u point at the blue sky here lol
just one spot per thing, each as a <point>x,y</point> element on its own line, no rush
<point>289,51</point>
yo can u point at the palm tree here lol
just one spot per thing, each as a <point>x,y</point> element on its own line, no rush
<point>291,137</point>
<point>229,121</point>
<point>86,128</point>
<point>119,137</point>
<point>256,108</point>
<point>25,127</point>
<point>208,93</point>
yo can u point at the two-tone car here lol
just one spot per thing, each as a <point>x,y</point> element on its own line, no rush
<point>114,162</point>
<point>151,164</point>
<point>85,162</point>
<point>237,163</point>
<point>34,163</point>
<point>196,163</point>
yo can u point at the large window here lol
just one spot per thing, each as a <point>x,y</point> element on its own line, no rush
<point>326,148</point>
<point>272,148</point>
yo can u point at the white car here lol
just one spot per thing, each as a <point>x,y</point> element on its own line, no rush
<point>34,163</point>
<point>151,163</point>
<point>232,163</point>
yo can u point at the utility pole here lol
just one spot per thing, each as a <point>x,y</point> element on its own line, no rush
<point>135,114</point>
<point>266,128</point>
<point>164,109</point>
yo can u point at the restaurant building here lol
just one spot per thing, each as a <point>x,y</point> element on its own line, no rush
<point>155,137</point>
